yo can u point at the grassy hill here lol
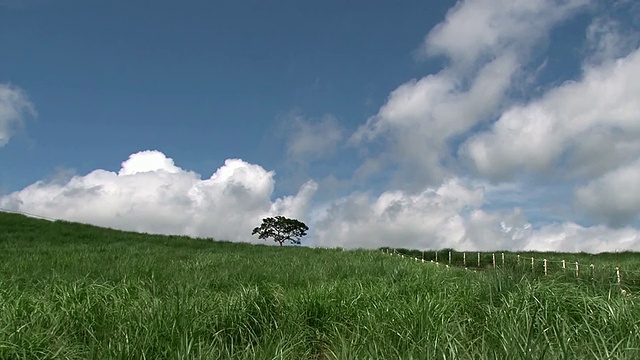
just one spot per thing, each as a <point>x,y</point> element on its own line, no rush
<point>77,291</point>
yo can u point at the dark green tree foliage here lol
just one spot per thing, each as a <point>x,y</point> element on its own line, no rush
<point>281,229</point>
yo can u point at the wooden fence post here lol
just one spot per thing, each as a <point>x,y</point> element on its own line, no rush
<point>502,259</point>
<point>577,269</point>
<point>478,259</point>
<point>545,266</point>
<point>449,257</point>
<point>593,271</point>
<point>518,260</point>
<point>533,269</point>
<point>619,276</point>
<point>436,256</point>
<point>493,256</point>
<point>564,265</point>
<point>464,259</point>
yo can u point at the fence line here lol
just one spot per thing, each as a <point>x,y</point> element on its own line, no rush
<point>614,275</point>
<point>618,272</point>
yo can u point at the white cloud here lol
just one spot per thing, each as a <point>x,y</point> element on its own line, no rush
<point>148,161</point>
<point>613,197</point>
<point>420,116</point>
<point>570,237</point>
<point>589,126</point>
<point>495,230</point>
<point>429,219</point>
<point>478,29</point>
<point>311,140</point>
<point>14,105</point>
<point>451,216</point>
<point>487,43</point>
<point>151,194</point>
<point>607,39</point>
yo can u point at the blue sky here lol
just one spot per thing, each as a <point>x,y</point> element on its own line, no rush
<point>201,81</point>
<point>475,124</point>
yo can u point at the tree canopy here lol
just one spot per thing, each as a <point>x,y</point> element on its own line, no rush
<point>281,229</point>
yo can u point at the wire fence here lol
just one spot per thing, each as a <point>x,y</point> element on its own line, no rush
<point>623,273</point>
<point>621,269</point>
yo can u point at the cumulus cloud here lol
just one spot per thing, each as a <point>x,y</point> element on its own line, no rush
<point>14,106</point>
<point>480,29</point>
<point>312,139</point>
<point>151,194</point>
<point>148,161</point>
<point>571,237</point>
<point>430,218</point>
<point>492,230</point>
<point>607,39</point>
<point>613,197</point>
<point>451,216</point>
<point>421,116</point>
<point>486,43</point>
<point>590,127</point>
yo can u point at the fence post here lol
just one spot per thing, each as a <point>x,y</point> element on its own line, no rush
<point>533,269</point>
<point>577,269</point>
<point>502,259</point>
<point>593,271</point>
<point>464,259</point>
<point>518,261</point>
<point>449,257</point>
<point>422,255</point>
<point>493,256</point>
<point>545,266</point>
<point>436,256</point>
<point>619,276</point>
<point>564,265</point>
<point>478,259</point>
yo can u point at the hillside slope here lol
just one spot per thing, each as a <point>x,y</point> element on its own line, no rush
<point>77,291</point>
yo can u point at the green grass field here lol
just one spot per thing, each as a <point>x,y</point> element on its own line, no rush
<point>73,291</point>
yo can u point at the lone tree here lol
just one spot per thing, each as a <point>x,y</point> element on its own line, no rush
<point>281,229</point>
